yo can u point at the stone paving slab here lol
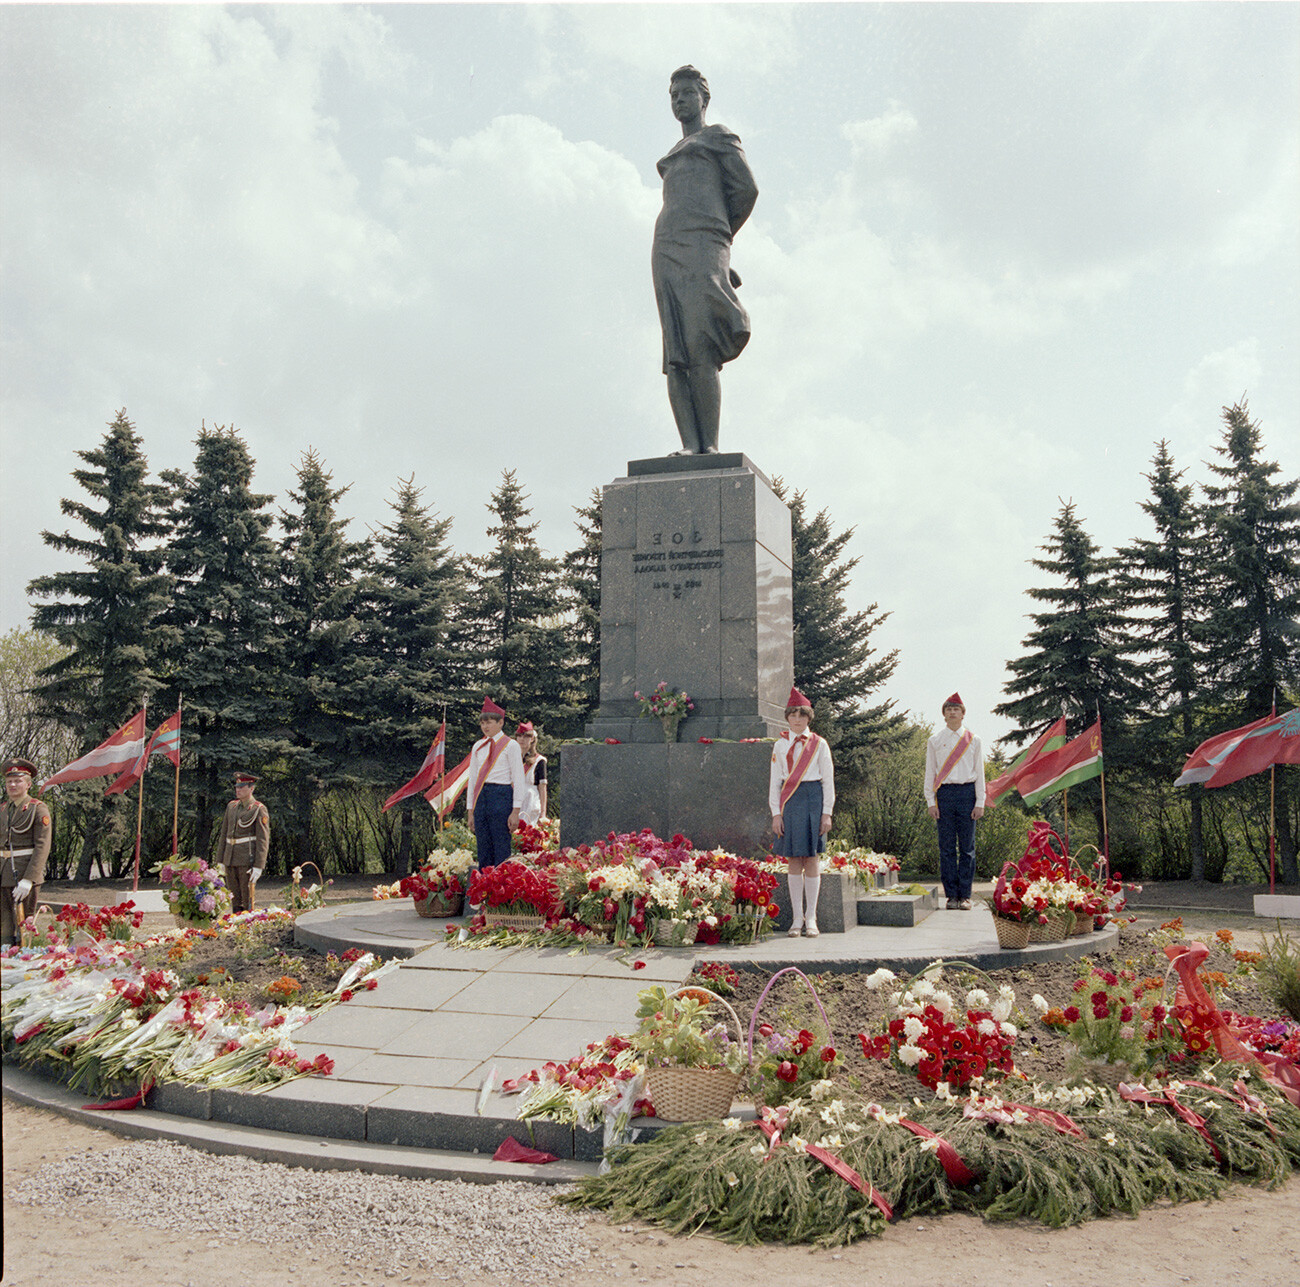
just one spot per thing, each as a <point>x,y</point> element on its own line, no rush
<point>609,1000</point>
<point>408,1070</point>
<point>441,1035</point>
<point>543,1037</point>
<point>513,993</point>
<point>406,989</point>
<point>353,1025</point>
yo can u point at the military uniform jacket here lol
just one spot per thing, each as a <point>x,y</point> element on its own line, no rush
<point>24,842</point>
<point>245,835</point>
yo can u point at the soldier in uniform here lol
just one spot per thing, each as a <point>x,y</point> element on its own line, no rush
<point>245,840</point>
<point>24,847</point>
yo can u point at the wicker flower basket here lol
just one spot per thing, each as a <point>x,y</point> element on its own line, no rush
<point>675,934</point>
<point>1057,929</point>
<point>505,920</point>
<point>694,1094</point>
<point>1012,934</point>
<point>441,905</point>
<point>1082,924</point>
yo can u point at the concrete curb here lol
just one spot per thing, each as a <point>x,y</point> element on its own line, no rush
<point>309,1151</point>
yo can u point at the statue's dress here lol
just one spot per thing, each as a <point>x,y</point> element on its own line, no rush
<point>709,192</point>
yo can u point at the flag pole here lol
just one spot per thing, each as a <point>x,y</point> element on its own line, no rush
<point>139,805</point>
<point>1065,813</point>
<point>176,789</point>
<point>442,819</point>
<point>1105,827</point>
<point>1272,811</point>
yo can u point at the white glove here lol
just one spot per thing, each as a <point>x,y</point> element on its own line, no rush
<point>253,875</point>
<point>21,890</point>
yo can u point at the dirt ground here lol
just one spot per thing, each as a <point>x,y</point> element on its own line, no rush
<point>1250,1236</point>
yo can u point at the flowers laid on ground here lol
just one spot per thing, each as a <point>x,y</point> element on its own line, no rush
<point>623,887</point>
<point>443,875</point>
<point>194,891</point>
<point>536,838</point>
<point>939,1039</point>
<point>717,976</point>
<point>117,922</point>
<point>578,1091</point>
<point>864,865</point>
<point>102,1015</point>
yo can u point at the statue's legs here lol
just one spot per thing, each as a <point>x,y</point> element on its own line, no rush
<point>695,395</point>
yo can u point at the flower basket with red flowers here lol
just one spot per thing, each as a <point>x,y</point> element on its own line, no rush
<point>787,1063</point>
<point>514,896</point>
<point>438,888</point>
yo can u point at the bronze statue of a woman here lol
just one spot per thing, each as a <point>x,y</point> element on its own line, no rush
<point>709,192</point>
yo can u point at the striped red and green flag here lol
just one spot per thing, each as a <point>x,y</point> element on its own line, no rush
<point>1059,770</point>
<point>1050,740</point>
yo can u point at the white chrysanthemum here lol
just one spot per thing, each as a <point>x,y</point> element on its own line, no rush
<point>1002,1009</point>
<point>1009,1030</point>
<point>977,999</point>
<point>923,988</point>
<point>986,1027</point>
<point>910,1056</point>
<point>878,978</point>
<point>1040,1003</point>
<point>942,1002</point>
<point>912,1027</point>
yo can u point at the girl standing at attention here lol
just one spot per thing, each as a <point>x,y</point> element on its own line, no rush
<point>801,796</point>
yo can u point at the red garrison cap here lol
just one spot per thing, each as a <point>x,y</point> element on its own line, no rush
<point>491,708</point>
<point>525,728</point>
<point>954,700</point>
<point>796,698</point>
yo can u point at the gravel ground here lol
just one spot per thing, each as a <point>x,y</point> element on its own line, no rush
<point>438,1229</point>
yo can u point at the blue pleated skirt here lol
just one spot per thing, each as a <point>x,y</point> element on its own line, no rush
<point>803,820</point>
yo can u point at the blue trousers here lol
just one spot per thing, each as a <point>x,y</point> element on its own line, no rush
<point>956,837</point>
<point>492,823</point>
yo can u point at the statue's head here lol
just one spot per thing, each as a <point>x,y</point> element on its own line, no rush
<point>691,74</point>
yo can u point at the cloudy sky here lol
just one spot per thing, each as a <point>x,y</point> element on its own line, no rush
<point>999,251</point>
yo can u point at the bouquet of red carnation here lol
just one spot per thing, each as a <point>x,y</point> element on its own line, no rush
<point>790,1063</point>
<point>514,889</point>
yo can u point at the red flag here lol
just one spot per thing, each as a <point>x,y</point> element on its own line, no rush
<point>442,795</point>
<point>1051,740</point>
<point>166,740</point>
<point>430,770</point>
<point>1241,752</point>
<point>120,752</point>
<point>1075,762</point>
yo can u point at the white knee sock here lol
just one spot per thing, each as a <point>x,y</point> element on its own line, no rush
<point>811,888</point>
<point>796,882</point>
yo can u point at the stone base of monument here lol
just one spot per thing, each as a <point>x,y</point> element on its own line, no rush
<point>837,903</point>
<point>714,793</point>
<point>897,909</point>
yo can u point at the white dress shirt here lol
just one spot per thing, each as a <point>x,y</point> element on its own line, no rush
<point>784,757</point>
<point>969,768</point>
<point>507,771</point>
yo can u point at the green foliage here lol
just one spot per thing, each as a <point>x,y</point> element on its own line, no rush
<point>582,581</point>
<point>835,665</point>
<point>1279,971</point>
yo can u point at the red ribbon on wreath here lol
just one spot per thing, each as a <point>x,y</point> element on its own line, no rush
<point>1140,1095</point>
<point>833,1163</point>
<point>954,1168</point>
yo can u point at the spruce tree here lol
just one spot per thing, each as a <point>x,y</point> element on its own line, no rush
<point>226,654</point>
<point>835,665</point>
<point>582,580</point>
<point>319,664</point>
<point>107,614</point>
<point>1076,659</point>
<point>516,616</point>
<point>1161,582</point>
<point>1253,631</point>
<point>414,662</point>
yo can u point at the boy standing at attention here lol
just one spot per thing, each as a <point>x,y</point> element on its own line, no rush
<point>954,791</point>
<point>497,786</point>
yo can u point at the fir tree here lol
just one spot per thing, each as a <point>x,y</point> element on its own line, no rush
<point>414,662</point>
<point>582,579</point>
<point>1161,580</point>
<point>515,612</point>
<point>1076,660</point>
<point>107,614</point>
<point>835,665</point>
<point>318,664</point>
<point>226,655</point>
<point>1254,578</point>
